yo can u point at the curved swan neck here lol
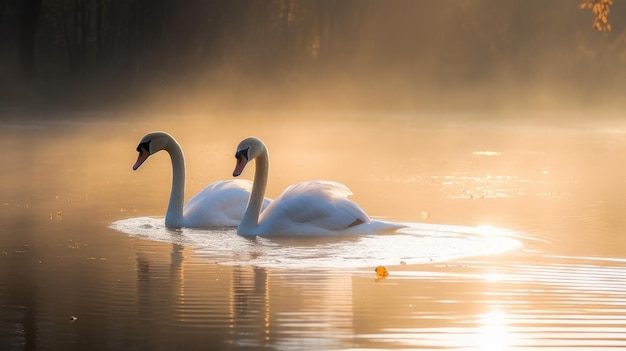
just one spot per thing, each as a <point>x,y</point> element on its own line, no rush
<point>174,215</point>
<point>250,220</point>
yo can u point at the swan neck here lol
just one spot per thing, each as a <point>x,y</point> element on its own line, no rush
<point>174,215</point>
<point>250,220</point>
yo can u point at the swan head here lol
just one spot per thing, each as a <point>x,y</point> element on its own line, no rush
<point>247,150</point>
<point>150,144</point>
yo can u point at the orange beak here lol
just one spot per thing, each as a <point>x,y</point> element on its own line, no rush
<point>143,155</point>
<point>241,164</point>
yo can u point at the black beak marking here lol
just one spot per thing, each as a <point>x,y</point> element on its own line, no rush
<point>242,153</point>
<point>144,146</point>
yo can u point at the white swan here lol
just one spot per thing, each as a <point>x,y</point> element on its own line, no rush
<point>220,204</point>
<point>308,208</point>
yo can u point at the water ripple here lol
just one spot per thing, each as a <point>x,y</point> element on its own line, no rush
<point>564,304</point>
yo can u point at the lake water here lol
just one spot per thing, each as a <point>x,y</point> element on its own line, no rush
<point>516,238</point>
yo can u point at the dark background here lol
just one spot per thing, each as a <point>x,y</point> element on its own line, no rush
<point>196,55</point>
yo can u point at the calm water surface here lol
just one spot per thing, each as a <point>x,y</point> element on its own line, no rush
<point>518,239</point>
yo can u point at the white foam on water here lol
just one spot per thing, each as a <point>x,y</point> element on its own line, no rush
<point>417,243</point>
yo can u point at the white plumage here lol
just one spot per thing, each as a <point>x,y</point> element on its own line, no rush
<point>313,208</point>
<point>220,204</point>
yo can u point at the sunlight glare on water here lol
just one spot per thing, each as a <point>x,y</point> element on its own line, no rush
<point>494,335</point>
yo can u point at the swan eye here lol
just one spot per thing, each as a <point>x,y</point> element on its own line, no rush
<point>144,146</point>
<point>242,153</point>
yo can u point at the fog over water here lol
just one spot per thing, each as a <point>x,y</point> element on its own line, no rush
<point>196,56</point>
<point>494,130</point>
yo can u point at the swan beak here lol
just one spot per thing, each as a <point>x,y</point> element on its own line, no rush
<point>241,164</point>
<point>143,155</point>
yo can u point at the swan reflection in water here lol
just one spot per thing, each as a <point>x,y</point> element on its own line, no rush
<point>251,306</point>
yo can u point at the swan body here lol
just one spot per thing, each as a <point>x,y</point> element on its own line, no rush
<point>313,208</point>
<point>220,204</point>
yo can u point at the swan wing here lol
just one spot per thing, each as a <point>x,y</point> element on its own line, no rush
<point>315,207</point>
<point>326,189</point>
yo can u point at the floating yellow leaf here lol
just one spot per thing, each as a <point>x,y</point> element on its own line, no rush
<point>381,271</point>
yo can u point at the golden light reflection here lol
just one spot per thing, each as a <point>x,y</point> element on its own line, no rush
<point>267,311</point>
<point>485,153</point>
<point>486,229</point>
<point>493,277</point>
<point>494,334</point>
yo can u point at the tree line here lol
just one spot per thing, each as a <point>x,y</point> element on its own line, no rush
<point>136,44</point>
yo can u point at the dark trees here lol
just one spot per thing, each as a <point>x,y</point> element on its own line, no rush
<point>29,23</point>
<point>124,47</point>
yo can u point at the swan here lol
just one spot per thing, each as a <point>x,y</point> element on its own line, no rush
<point>220,204</point>
<point>313,208</point>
